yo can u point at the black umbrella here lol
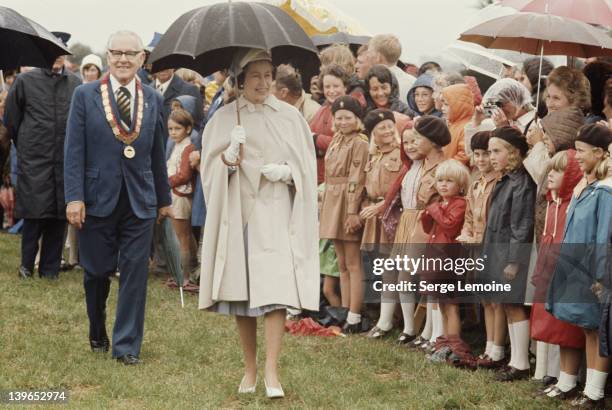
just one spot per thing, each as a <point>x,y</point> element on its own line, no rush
<point>354,42</point>
<point>26,43</point>
<point>207,39</point>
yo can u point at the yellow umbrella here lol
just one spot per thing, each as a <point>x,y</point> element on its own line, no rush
<point>319,17</point>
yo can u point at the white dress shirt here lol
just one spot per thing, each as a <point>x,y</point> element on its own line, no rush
<point>131,86</point>
<point>162,87</point>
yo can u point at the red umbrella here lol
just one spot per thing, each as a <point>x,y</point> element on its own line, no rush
<point>589,11</point>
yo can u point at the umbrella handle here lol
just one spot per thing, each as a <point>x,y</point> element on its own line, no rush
<point>236,93</point>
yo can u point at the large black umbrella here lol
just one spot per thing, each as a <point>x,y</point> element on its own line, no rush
<point>26,43</point>
<point>207,39</point>
<point>354,42</point>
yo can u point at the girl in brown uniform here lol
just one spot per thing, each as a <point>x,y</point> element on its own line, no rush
<point>411,192</point>
<point>345,163</point>
<point>382,170</point>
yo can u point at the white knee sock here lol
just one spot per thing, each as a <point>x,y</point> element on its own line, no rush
<point>385,321</point>
<point>512,345</point>
<point>554,361</point>
<point>521,339</point>
<point>497,352</point>
<point>437,324</point>
<point>566,381</point>
<point>408,314</point>
<point>427,329</point>
<point>541,360</point>
<point>595,384</point>
<point>353,318</point>
<point>488,348</point>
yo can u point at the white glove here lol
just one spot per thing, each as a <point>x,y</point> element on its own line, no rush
<point>277,172</point>
<point>237,137</point>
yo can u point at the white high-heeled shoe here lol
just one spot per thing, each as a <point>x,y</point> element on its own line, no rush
<point>274,392</point>
<point>242,389</point>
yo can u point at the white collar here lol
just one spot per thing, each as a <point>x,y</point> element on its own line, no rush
<point>163,85</point>
<point>271,101</point>
<point>131,86</point>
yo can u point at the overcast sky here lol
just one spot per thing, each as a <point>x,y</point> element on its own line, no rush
<point>423,26</point>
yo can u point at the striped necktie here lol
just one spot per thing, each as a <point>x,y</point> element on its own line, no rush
<point>123,104</point>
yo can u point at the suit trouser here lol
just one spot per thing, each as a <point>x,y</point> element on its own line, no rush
<point>119,240</point>
<point>52,233</point>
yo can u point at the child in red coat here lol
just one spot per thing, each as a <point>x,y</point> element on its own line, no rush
<point>564,175</point>
<point>443,221</point>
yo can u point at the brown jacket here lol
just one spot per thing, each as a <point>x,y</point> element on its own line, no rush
<point>382,169</point>
<point>478,199</point>
<point>345,163</point>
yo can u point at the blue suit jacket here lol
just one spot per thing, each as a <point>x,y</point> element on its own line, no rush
<point>94,165</point>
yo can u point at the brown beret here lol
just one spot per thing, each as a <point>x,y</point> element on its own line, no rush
<point>346,102</point>
<point>596,135</point>
<point>374,117</point>
<point>513,137</point>
<point>480,140</point>
<point>434,129</point>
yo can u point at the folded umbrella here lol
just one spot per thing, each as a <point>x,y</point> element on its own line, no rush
<point>24,42</point>
<point>170,247</point>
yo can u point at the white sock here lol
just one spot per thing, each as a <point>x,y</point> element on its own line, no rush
<point>353,318</point>
<point>595,384</point>
<point>497,352</point>
<point>554,361</point>
<point>566,382</point>
<point>541,360</point>
<point>488,348</point>
<point>427,329</point>
<point>385,322</point>
<point>437,324</point>
<point>408,314</point>
<point>521,339</point>
<point>512,344</point>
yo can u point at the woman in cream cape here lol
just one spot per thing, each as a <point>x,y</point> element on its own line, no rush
<point>260,246</point>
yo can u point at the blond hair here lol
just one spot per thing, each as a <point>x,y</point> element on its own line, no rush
<point>338,54</point>
<point>559,162</point>
<point>455,171</point>
<point>515,159</point>
<point>388,46</point>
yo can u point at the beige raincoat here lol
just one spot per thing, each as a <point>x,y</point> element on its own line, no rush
<point>270,227</point>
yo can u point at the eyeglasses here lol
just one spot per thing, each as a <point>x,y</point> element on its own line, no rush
<point>130,55</point>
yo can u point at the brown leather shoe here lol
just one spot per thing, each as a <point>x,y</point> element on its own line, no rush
<point>512,374</point>
<point>584,402</point>
<point>487,363</point>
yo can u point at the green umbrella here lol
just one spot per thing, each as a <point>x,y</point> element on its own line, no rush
<point>170,246</point>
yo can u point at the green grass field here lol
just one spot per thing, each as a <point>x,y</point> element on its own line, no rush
<point>192,359</point>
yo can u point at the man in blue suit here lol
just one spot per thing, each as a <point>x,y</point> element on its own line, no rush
<point>116,185</point>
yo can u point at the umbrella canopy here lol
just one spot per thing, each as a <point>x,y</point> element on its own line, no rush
<point>589,11</point>
<point>207,39</point>
<point>26,43</point>
<point>320,17</point>
<point>353,41</point>
<point>482,60</point>
<point>531,33</point>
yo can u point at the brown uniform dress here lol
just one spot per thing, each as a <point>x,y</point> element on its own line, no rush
<point>381,171</point>
<point>478,199</point>
<point>345,163</point>
<point>409,229</point>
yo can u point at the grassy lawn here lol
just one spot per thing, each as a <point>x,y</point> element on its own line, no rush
<point>192,359</point>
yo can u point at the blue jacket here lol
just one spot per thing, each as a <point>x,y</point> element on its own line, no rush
<point>95,167</point>
<point>582,259</point>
